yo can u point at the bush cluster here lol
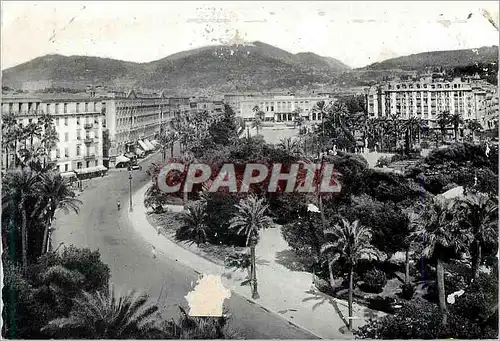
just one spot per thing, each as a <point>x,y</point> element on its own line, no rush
<point>374,281</point>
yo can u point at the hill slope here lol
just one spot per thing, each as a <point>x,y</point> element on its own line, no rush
<point>446,59</point>
<point>226,67</point>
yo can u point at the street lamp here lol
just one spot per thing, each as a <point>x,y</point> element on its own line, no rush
<point>130,189</point>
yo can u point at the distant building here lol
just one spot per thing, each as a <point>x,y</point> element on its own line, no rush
<point>79,122</point>
<point>424,99</point>
<point>280,108</point>
<point>134,118</point>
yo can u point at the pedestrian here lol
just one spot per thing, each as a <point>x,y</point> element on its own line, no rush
<point>153,251</point>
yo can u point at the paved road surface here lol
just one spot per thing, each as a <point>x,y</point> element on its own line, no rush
<point>99,225</point>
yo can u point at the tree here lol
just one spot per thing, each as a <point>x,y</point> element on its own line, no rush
<point>257,124</point>
<point>250,218</point>
<point>19,187</point>
<point>479,213</point>
<point>10,135</point>
<point>474,126</point>
<point>443,119</point>
<point>351,242</point>
<point>412,223</point>
<point>53,194</point>
<point>290,146</point>
<point>442,238</point>
<point>456,120</point>
<point>396,127</point>
<point>194,225</point>
<point>106,316</point>
<point>33,130</point>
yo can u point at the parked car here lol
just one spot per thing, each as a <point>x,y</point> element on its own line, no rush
<point>134,167</point>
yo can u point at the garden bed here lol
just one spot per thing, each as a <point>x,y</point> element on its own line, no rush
<point>169,222</point>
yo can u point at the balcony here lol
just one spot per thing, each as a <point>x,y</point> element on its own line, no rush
<point>88,125</point>
<point>88,140</point>
<point>89,157</point>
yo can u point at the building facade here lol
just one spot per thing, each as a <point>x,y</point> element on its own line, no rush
<point>79,121</point>
<point>280,108</point>
<point>427,98</point>
<point>132,117</point>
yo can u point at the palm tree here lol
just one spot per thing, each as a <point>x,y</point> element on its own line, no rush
<point>54,194</point>
<point>441,238</point>
<point>196,327</point>
<point>33,130</point>
<point>194,224</point>
<point>351,242</point>
<point>10,133</point>
<point>290,146</point>
<point>19,188</point>
<point>257,124</point>
<point>397,126</point>
<point>105,316</point>
<point>443,119</point>
<point>412,221</point>
<point>456,120</point>
<point>250,218</point>
<point>49,141</point>
<point>479,213</point>
<point>296,115</point>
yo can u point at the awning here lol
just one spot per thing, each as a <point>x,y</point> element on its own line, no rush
<point>122,158</point>
<point>68,174</point>
<point>130,155</point>
<point>139,151</point>
<point>89,170</point>
<point>149,144</point>
<point>101,168</point>
<point>143,145</point>
<point>155,143</point>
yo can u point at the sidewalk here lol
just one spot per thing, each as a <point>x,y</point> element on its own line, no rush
<point>287,293</point>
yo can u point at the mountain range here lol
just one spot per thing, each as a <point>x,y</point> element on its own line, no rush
<point>442,59</point>
<point>253,66</point>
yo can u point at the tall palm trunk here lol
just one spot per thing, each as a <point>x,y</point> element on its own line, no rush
<point>255,293</point>
<point>172,150</point>
<point>456,133</point>
<point>349,300</point>
<point>441,290</point>
<point>24,234</point>
<point>407,266</point>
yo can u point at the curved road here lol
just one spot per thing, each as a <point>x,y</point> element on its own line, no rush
<point>99,225</point>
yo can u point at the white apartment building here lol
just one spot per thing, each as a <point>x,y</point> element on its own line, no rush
<point>134,119</point>
<point>425,99</point>
<point>78,120</point>
<point>280,108</point>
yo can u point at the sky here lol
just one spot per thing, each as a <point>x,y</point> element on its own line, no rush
<point>356,33</point>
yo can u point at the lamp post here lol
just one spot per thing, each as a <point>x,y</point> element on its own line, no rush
<point>130,189</point>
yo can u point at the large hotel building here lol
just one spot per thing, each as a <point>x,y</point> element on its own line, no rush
<point>425,99</point>
<point>79,122</point>
<point>97,126</point>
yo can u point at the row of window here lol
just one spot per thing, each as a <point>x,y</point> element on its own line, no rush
<point>425,86</point>
<point>38,106</point>
<point>78,152</point>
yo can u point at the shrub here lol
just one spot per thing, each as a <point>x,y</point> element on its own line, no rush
<point>374,281</point>
<point>385,304</point>
<point>422,320</point>
<point>238,261</point>
<point>414,320</point>
<point>407,291</point>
